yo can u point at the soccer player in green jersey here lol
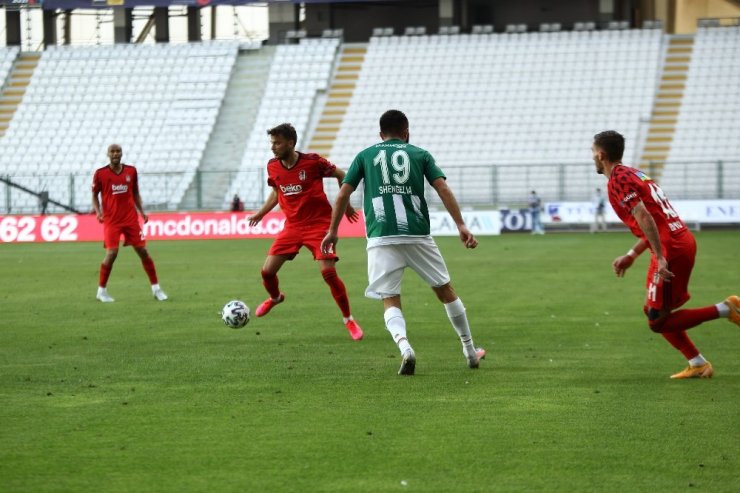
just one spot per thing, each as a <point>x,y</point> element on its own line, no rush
<point>398,230</point>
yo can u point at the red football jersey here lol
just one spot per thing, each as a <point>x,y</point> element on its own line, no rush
<point>300,189</point>
<point>118,192</point>
<point>627,187</point>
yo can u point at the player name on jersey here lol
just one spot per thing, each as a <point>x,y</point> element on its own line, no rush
<point>402,189</point>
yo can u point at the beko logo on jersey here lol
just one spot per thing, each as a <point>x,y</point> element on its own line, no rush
<point>119,189</point>
<point>291,189</point>
<point>629,197</point>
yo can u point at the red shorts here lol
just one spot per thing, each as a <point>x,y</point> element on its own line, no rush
<point>669,295</point>
<point>132,235</point>
<point>290,240</point>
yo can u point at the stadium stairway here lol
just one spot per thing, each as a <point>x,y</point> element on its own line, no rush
<point>667,104</point>
<point>235,120</point>
<point>338,99</point>
<point>18,80</point>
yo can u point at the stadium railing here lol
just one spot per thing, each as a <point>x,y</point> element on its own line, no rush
<point>505,185</point>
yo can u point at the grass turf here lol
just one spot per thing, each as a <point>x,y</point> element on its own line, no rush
<point>140,395</point>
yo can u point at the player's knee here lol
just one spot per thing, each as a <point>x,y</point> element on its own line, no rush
<point>656,319</point>
<point>445,293</point>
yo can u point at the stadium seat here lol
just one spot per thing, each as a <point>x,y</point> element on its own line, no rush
<point>90,97</point>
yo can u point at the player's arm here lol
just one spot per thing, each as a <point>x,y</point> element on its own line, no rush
<point>329,243</point>
<point>450,203</point>
<point>96,206</point>
<point>352,215</point>
<point>139,205</point>
<point>270,203</point>
<point>624,262</point>
<point>650,229</point>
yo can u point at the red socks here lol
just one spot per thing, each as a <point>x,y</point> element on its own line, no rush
<point>104,275</point>
<point>680,340</point>
<point>338,291</point>
<point>148,264</point>
<point>270,282</point>
<point>674,327</point>
<point>681,320</point>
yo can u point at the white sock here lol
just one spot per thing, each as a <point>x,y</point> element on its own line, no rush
<point>396,325</point>
<point>347,319</point>
<point>724,310</point>
<point>697,360</point>
<point>155,287</point>
<point>458,319</point>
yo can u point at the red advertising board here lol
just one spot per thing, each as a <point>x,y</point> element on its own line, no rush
<point>161,226</point>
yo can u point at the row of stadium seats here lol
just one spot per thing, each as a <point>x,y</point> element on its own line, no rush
<point>291,91</point>
<point>86,102</point>
<point>502,99</point>
<point>473,100</point>
<point>708,127</point>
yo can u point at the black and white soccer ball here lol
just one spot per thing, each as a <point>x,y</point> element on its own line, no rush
<point>235,314</point>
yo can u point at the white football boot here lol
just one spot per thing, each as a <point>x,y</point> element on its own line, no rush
<point>104,296</point>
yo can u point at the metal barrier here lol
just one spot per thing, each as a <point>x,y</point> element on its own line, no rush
<point>474,186</point>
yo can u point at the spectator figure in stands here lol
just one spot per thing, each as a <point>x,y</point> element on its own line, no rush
<point>599,204</point>
<point>535,208</point>
<point>394,174</point>
<point>643,207</point>
<point>297,182</point>
<point>118,184</point>
<point>236,204</point>
<point>43,201</point>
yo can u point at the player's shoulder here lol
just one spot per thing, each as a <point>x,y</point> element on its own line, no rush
<point>622,173</point>
<point>311,156</point>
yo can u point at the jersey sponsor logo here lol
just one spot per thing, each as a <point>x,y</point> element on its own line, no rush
<point>118,189</point>
<point>628,197</point>
<point>395,146</point>
<point>291,189</point>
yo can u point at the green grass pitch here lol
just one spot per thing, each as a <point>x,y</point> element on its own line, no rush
<point>140,395</point>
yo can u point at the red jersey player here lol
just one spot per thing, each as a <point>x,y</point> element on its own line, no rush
<point>118,184</point>
<point>643,207</point>
<point>297,182</point>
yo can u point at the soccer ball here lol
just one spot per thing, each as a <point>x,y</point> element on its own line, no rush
<point>235,314</point>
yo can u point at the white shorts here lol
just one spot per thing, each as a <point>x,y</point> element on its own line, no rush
<point>386,263</point>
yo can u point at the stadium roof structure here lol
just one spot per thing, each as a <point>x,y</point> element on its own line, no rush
<point>107,4</point>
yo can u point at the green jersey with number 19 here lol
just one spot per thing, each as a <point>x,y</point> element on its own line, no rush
<point>394,204</point>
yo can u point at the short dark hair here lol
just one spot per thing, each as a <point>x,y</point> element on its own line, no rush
<point>612,143</point>
<point>284,130</point>
<point>393,122</point>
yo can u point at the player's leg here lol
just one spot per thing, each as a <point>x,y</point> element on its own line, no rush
<point>396,326</point>
<point>327,265</point>
<point>458,318</point>
<point>151,271</point>
<point>662,297</point>
<point>339,293</point>
<point>285,247</point>
<point>111,239</point>
<point>385,265</point>
<point>105,269</point>
<point>427,262</point>
<point>270,281</point>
